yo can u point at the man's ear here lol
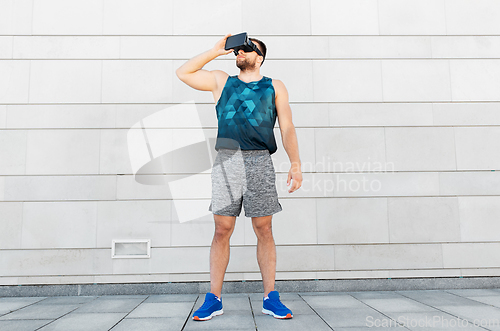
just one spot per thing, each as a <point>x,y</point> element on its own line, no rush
<point>262,59</point>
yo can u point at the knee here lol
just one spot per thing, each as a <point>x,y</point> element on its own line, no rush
<point>223,231</point>
<point>264,231</point>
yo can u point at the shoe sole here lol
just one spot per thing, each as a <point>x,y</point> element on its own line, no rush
<point>215,313</point>
<point>268,312</point>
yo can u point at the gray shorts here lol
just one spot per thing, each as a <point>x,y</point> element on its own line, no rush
<point>244,177</point>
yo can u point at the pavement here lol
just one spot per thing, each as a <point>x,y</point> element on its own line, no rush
<point>454,309</point>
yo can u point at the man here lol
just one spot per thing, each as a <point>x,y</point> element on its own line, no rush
<point>243,173</point>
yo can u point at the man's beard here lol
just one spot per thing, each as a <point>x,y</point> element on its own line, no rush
<point>245,64</point>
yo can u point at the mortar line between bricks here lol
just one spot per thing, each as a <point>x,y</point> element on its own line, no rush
<point>190,312</point>
<point>307,303</point>
<point>251,309</point>
<point>121,319</point>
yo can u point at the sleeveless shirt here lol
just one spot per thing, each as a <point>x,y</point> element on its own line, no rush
<point>246,114</point>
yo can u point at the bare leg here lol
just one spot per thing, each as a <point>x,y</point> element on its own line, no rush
<point>219,252</point>
<point>266,251</point>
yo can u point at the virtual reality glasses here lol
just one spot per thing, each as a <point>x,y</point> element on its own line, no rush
<point>241,41</point>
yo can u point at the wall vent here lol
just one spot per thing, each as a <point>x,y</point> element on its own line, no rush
<point>131,249</point>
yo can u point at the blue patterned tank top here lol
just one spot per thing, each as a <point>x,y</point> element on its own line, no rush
<point>246,114</point>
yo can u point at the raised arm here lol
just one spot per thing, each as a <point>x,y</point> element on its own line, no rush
<point>193,75</point>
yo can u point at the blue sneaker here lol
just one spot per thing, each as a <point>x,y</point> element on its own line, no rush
<point>210,308</point>
<point>273,306</point>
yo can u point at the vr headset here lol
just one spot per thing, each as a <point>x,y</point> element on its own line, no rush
<point>241,41</point>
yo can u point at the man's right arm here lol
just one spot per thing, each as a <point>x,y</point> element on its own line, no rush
<point>192,73</point>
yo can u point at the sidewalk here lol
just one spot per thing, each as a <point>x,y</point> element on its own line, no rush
<point>316,311</point>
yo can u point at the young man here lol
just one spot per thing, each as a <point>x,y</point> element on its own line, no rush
<point>243,173</point>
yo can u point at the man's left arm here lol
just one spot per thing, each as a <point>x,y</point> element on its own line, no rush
<point>288,135</point>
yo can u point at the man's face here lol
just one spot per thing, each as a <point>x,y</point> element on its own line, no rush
<point>246,61</point>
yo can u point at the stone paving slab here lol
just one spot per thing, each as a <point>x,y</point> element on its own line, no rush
<point>39,311</point>
<point>10,304</point>
<point>489,300</point>
<point>475,292</point>
<point>232,303</point>
<point>376,294</point>
<point>151,324</point>
<point>451,328</point>
<point>422,319</point>
<point>84,322</point>
<point>67,300</point>
<point>397,328</point>
<point>22,325</point>
<point>486,313</point>
<point>121,297</point>
<point>297,323</point>
<point>230,320</point>
<point>172,298</point>
<point>106,305</point>
<point>337,301</point>
<point>345,317</point>
<point>339,311</point>
<point>396,304</point>
<point>440,298</point>
<point>161,309</point>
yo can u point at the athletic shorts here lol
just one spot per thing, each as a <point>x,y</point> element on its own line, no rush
<point>244,177</point>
